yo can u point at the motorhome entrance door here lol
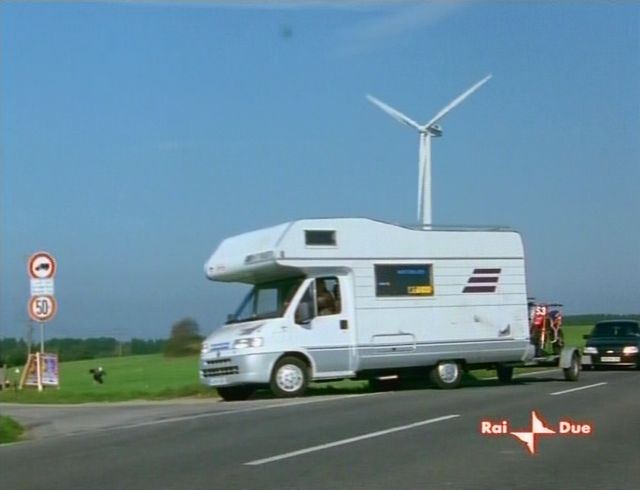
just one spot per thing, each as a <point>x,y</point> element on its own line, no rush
<point>326,328</point>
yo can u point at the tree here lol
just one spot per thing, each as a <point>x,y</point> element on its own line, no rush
<point>185,339</point>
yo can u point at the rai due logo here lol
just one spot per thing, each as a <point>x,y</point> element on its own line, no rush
<point>538,428</point>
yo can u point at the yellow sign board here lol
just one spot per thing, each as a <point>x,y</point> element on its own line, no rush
<point>420,290</point>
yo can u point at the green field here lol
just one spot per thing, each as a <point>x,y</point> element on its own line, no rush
<point>154,377</point>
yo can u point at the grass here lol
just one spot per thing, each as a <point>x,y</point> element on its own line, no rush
<point>10,430</point>
<point>151,377</point>
<point>154,377</point>
<point>573,334</point>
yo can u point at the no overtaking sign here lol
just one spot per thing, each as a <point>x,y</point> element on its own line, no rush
<point>42,265</point>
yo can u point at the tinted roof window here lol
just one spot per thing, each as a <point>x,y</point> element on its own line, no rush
<point>320,237</point>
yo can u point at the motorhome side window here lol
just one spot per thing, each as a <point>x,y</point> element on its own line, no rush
<point>321,298</point>
<point>328,296</point>
<point>404,279</point>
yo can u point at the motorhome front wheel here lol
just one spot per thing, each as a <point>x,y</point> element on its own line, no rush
<point>290,377</point>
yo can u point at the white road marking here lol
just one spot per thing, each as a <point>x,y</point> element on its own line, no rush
<point>180,418</point>
<point>522,375</point>
<point>348,441</point>
<point>533,373</point>
<point>579,388</point>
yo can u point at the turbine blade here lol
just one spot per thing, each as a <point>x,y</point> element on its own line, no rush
<point>456,102</point>
<point>397,115</point>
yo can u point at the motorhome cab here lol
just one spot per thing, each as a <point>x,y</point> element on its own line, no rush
<point>358,298</point>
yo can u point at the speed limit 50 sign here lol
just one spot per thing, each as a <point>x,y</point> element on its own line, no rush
<point>42,308</point>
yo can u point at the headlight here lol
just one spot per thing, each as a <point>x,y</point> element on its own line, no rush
<point>205,348</point>
<point>590,350</point>
<point>248,342</point>
<point>630,350</point>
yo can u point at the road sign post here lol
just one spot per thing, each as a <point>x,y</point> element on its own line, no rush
<point>41,268</point>
<point>42,305</point>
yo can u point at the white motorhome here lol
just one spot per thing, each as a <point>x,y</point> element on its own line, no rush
<point>358,298</point>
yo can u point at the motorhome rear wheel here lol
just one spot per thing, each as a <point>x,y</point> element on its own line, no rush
<point>236,393</point>
<point>446,374</point>
<point>505,374</point>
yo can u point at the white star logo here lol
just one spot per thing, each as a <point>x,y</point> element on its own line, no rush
<point>537,428</point>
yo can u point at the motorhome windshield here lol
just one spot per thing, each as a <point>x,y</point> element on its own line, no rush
<point>267,300</point>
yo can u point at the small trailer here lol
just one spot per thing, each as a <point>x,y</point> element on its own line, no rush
<point>363,299</point>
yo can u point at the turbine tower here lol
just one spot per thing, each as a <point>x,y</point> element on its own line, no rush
<point>426,131</point>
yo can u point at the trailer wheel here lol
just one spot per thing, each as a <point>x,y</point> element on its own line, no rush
<point>505,374</point>
<point>236,393</point>
<point>290,377</point>
<point>572,373</point>
<point>446,374</point>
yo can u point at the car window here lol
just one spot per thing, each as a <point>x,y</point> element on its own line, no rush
<point>622,329</point>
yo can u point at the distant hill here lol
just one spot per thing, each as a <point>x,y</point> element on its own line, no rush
<point>593,318</point>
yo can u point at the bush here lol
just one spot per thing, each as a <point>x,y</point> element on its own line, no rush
<point>185,339</point>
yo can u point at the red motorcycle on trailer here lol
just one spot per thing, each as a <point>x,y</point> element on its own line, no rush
<point>546,328</point>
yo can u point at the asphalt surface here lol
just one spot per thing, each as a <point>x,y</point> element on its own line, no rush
<point>410,439</point>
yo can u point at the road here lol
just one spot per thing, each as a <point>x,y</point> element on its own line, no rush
<point>397,440</point>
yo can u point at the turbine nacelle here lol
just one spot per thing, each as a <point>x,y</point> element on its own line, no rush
<point>434,130</point>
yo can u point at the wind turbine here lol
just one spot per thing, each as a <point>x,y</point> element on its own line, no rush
<point>426,131</point>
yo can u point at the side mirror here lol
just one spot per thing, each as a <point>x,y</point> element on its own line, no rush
<point>586,336</point>
<point>303,313</point>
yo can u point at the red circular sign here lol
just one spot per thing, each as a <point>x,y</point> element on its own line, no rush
<point>42,308</point>
<point>41,265</point>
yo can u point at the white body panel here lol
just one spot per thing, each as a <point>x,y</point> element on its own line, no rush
<point>477,312</point>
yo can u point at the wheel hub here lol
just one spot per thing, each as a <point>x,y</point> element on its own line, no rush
<point>290,378</point>
<point>448,372</point>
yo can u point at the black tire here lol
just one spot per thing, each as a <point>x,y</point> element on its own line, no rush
<point>572,373</point>
<point>559,344</point>
<point>535,340</point>
<point>505,374</point>
<point>377,384</point>
<point>446,375</point>
<point>290,377</point>
<point>236,393</point>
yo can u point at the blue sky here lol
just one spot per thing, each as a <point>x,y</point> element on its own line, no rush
<point>135,136</point>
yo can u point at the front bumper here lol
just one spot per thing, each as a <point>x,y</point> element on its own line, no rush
<point>611,360</point>
<point>250,368</point>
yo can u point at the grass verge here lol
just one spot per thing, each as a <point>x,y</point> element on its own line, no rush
<point>10,430</point>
